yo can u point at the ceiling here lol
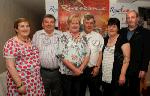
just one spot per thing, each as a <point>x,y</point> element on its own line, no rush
<point>37,6</point>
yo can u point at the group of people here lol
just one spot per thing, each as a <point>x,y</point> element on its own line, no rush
<point>58,63</point>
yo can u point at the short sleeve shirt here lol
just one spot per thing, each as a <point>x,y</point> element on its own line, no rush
<point>95,43</point>
<point>72,50</point>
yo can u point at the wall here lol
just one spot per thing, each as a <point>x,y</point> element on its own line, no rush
<point>9,11</point>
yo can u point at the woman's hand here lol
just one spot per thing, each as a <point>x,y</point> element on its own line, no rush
<point>77,72</point>
<point>22,89</point>
<point>81,68</point>
<point>122,79</point>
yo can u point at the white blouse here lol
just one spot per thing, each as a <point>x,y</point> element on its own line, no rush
<point>107,63</point>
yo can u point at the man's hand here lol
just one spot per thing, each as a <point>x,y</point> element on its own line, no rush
<point>142,74</point>
<point>95,71</point>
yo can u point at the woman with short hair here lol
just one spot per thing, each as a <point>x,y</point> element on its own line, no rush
<point>74,54</point>
<point>116,57</point>
<point>22,62</point>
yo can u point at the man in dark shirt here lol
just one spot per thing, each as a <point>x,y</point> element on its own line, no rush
<point>139,60</point>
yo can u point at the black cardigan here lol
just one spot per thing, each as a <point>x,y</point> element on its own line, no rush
<point>139,53</point>
<point>118,57</point>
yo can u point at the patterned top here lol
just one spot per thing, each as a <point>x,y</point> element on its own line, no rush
<point>72,50</point>
<point>95,43</point>
<point>47,46</point>
<point>107,64</point>
<point>27,66</point>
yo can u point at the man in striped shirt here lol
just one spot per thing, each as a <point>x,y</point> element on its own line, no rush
<point>46,40</point>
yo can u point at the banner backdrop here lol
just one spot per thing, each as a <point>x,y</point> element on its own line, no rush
<point>52,8</point>
<point>99,8</point>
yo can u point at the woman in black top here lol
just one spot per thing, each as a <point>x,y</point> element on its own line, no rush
<point>116,55</point>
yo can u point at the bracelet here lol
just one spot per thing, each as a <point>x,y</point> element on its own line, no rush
<point>20,86</point>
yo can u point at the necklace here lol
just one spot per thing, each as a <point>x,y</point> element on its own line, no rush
<point>25,41</point>
<point>76,37</point>
<point>112,41</point>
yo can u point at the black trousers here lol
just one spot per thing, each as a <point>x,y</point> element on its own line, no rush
<point>92,82</point>
<point>52,82</point>
<point>133,85</point>
<point>71,85</point>
<point>113,89</point>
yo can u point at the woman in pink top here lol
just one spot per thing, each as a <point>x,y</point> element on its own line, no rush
<point>22,62</point>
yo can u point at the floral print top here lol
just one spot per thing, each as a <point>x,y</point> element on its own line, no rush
<point>73,50</point>
<point>95,43</point>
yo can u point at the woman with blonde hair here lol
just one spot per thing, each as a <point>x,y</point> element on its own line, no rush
<point>75,55</point>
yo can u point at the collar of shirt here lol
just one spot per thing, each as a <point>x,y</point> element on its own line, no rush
<point>55,32</point>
